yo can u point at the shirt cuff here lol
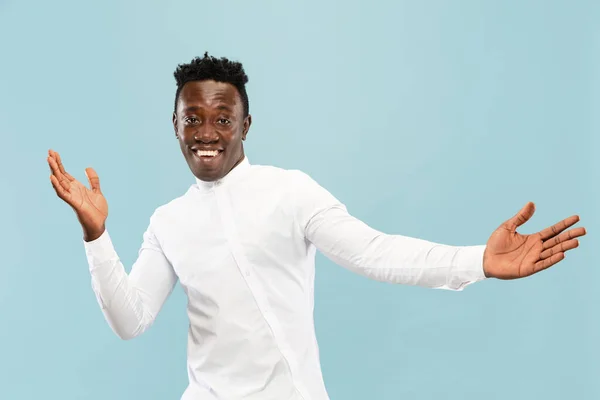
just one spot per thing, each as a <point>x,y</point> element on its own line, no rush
<point>100,250</point>
<point>468,262</point>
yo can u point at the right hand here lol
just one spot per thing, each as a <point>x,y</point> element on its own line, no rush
<point>89,204</point>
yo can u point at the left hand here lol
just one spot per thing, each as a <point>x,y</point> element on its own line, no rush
<point>511,255</point>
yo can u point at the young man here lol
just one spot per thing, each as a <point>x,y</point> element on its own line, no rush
<point>242,243</point>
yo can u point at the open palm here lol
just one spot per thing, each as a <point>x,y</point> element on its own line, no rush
<point>90,205</point>
<point>511,255</point>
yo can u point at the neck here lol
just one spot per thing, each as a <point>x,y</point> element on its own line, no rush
<point>240,159</point>
<point>238,169</point>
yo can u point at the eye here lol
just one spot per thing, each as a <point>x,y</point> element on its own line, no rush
<point>191,120</point>
<point>223,121</point>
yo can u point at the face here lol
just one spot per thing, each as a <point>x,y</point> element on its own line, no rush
<point>210,126</point>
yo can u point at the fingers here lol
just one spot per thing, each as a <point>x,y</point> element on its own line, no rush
<point>93,179</point>
<point>558,227</point>
<point>522,216</point>
<point>548,262</point>
<point>570,234</point>
<point>554,250</point>
<point>61,167</point>
<point>60,178</point>
<point>59,189</point>
<point>54,155</point>
<point>53,163</point>
<point>559,248</point>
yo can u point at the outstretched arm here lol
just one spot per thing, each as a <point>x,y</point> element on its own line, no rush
<point>399,259</point>
<point>353,244</point>
<point>393,258</point>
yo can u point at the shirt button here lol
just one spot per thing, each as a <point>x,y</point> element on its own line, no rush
<point>247,272</point>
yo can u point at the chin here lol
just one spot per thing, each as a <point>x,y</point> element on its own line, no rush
<point>210,174</point>
<point>207,176</point>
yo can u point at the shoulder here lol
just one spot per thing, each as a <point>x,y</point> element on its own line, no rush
<point>290,179</point>
<point>300,187</point>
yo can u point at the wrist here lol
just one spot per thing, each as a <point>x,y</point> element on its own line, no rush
<point>89,235</point>
<point>486,271</point>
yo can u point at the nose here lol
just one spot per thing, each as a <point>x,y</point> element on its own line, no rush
<point>206,135</point>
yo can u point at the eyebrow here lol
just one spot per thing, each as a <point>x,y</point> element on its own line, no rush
<point>191,108</point>
<point>224,107</point>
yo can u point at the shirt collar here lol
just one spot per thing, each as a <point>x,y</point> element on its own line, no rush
<point>235,172</point>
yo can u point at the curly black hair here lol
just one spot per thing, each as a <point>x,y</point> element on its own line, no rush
<point>212,68</point>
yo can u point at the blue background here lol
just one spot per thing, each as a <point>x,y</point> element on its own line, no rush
<point>432,119</point>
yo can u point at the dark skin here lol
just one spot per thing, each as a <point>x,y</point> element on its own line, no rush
<point>210,118</point>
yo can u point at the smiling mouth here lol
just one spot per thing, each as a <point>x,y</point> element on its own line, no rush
<point>206,154</point>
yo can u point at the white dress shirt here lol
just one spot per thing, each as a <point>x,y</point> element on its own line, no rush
<point>243,249</point>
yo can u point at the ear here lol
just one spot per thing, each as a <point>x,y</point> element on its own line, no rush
<point>175,124</point>
<point>247,123</point>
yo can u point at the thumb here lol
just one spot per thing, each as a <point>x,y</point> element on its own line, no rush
<point>93,180</point>
<point>521,217</point>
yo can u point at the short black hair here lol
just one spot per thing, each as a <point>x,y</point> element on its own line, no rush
<point>212,68</point>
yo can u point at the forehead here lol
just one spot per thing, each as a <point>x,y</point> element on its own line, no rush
<point>208,94</point>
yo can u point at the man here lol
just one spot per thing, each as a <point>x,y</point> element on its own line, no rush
<point>242,243</point>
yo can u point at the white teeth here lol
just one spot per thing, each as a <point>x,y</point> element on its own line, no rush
<point>207,153</point>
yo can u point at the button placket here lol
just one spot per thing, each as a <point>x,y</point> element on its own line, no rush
<point>254,285</point>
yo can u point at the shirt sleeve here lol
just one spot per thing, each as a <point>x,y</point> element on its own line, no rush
<point>130,302</point>
<point>351,243</point>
